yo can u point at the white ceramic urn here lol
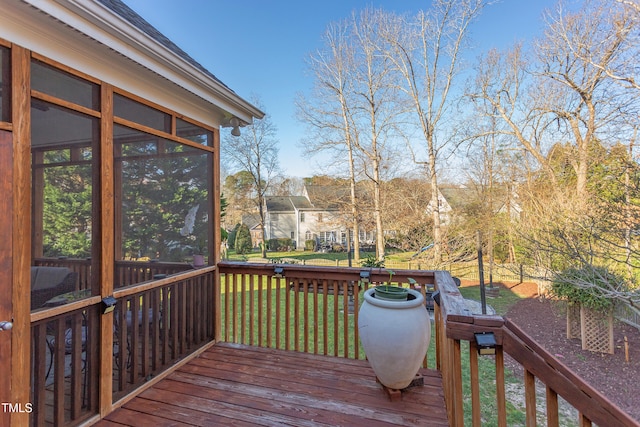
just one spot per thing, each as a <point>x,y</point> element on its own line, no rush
<point>395,336</point>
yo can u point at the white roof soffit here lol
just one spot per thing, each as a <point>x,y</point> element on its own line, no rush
<point>120,35</point>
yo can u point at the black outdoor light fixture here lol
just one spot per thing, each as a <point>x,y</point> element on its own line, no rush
<point>108,304</point>
<point>365,276</point>
<point>278,272</point>
<point>436,297</point>
<point>486,343</point>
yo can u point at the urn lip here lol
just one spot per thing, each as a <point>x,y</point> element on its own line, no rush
<point>409,303</point>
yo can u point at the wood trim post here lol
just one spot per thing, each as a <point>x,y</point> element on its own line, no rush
<point>21,298</point>
<point>107,254</point>
<point>216,253</point>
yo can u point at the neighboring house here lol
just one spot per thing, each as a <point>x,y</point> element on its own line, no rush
<point>283,217</point>
<point>318,215</point>
<point>511,206</point>
<point>255,228</point>
<point>444,207</point>
<point>454,200</point>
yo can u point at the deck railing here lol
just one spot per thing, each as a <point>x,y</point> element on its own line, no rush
<point>292,307</point>
<point>155,324</point>
<point>300,308</point>
<point>155,327</point>
<point>303,308</point>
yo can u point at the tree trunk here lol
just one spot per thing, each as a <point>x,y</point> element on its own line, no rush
<point>354,208</point>
<point>380,244</point>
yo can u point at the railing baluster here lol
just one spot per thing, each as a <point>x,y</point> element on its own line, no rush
<point>134,337</point>
<point>336,312</point>
<point>553,418</point>
<point>500,390</point>
<point>40,367</point>
<point>58,372</point>
<point>279,283</point>
<point>269,313</point>
<point>356,305</point>
<point>287,316</point>
<point>251,309</point>
<point>173,320</point>
<point>243,312</point>
<point>120,327</point>
<point>236,315</point>
<point>325,317</point>
<point>475,384</point>
<point>315,316</point>
<point>456,374</point>
<point>306,315</point>
<point>296,321</point>
<point>146,344</point>
<point>227,301</point>
<point>345,315</point>
<point>76,364</point>
<point>530,398</point>
<point>584,421</point>
<point>160,323</point>
<point>261,280</point>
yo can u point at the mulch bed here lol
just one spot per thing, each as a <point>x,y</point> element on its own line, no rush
<point>545,321</point>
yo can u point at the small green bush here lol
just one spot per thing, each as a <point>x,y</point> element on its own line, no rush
<point>232,237</point>
<point>372,262</point>
<point>310,245</point>
<point>587,286</point>
<point>243,240</point>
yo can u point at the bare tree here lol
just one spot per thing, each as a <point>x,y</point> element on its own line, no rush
<point>255,151</point>
<point>355,76</point>
<point>577,50</point>
<point>380,106</point>
<point>426,51</point>
<point>504,90</point>
<point>329,113</point>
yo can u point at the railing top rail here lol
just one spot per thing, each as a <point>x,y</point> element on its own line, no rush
<point>336,273</point>
<point>87,261</point>
<point>450,300</point>
<point>51,260</point>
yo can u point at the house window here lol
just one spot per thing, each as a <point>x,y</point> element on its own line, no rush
<point>327,236</point>
<point>301,216</point>
<point>320,217</point>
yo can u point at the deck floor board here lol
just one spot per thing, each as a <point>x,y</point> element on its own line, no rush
<point>231,384</point>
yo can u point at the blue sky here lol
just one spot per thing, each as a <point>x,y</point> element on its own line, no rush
<point>259,46</point>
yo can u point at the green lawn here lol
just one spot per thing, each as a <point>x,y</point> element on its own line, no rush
<point>501,304</point>
<point>307,255</point>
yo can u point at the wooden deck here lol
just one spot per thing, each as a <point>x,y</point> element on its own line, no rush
<point>242,385</point>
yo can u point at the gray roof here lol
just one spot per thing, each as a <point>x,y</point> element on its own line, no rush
<point>287,203</point>
<point>139,22</point>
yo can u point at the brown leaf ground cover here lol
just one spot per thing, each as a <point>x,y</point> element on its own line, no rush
<point>616,378</point>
